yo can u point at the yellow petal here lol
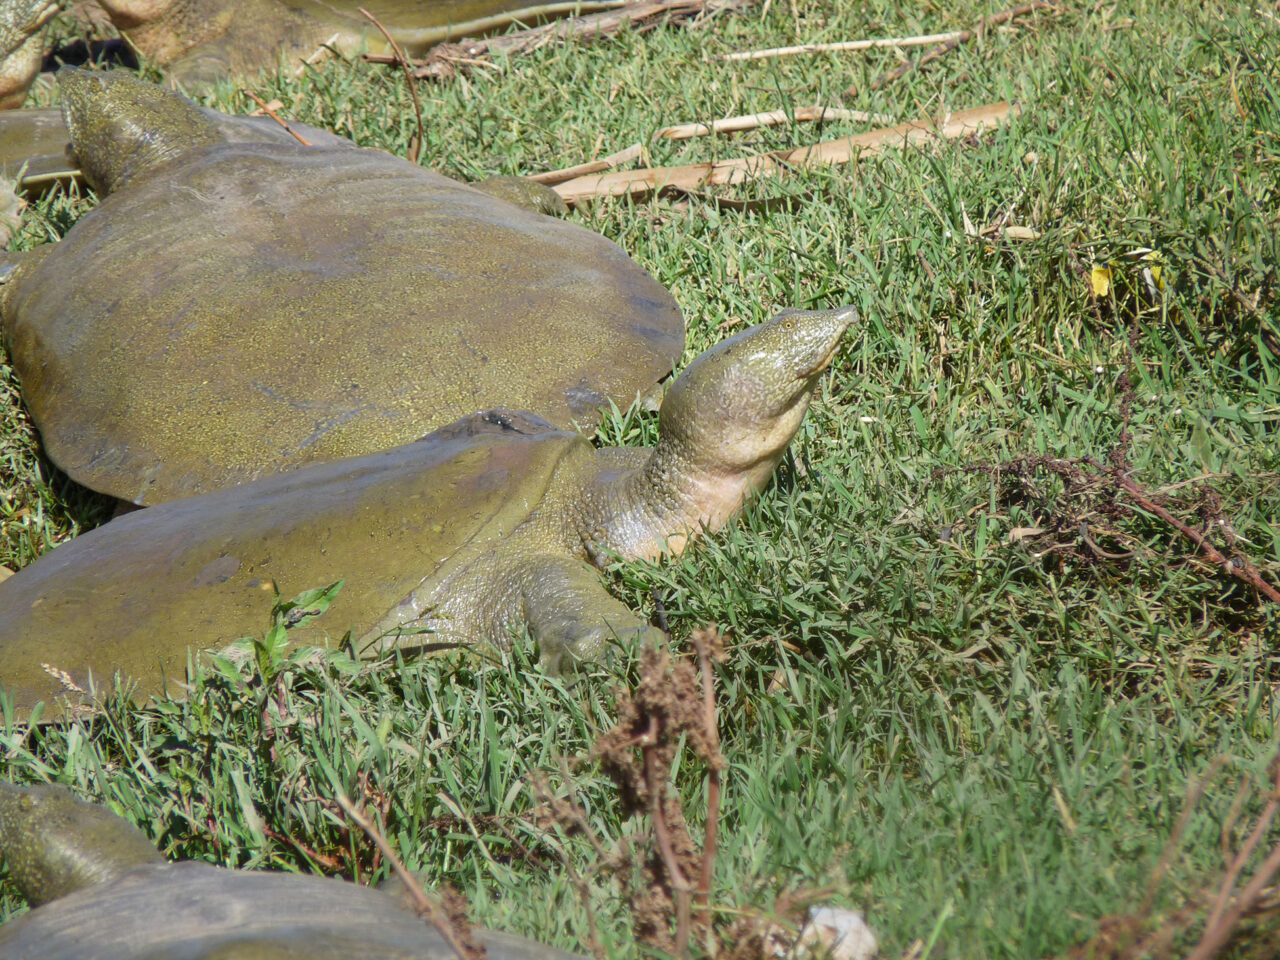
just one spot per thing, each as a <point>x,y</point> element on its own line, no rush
<point>1100,277</point>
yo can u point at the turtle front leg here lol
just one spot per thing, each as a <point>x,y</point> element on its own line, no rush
<point>571,615</point>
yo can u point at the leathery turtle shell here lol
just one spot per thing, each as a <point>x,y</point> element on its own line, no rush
<point>101,891</point>
<point>34,142</point>
<point>193,911</point>
<point>247,308</point>
<point>389,523</point>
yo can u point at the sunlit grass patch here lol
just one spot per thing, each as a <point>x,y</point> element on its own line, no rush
<point>961,726</point>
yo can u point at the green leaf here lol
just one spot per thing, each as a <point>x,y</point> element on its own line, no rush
<point>308,605</point>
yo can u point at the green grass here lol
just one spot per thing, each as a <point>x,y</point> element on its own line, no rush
<point>959,732</point>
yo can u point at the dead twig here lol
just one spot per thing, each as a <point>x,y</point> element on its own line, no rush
<point>1222,922</point>
<point>842,47</point>
<point>692,177</point>
<point>667,705</point>
<point>656,782</point>
<point>1239,567</point>
<point>326,861</point>
<point>324,49</point>
<point>1080,482</point>
<point>751,121</point>
<point>550,177</point>
<point>710,646</point>
<point>462,943</point>
<point>964,36</point>
<point>270,112</point>
<point>443,59</point>
<point>415,145</point>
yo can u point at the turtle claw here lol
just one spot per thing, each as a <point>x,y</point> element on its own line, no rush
<point>595,647</point>
<point>573,619</point>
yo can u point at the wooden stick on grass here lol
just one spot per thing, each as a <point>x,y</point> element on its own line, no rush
<point>683,131</point>
<point>643,182</point>
<point>1240,568</point>
<point>964,36</point>
<point>550,177</point>
<point>441,59</point>
<point>842,47</point>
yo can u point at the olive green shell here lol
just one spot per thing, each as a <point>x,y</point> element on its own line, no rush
<point>104,892</point>
<point>34,142</point>
<point>136,594</point>
<point>193,911</point>
<point>251,307</point>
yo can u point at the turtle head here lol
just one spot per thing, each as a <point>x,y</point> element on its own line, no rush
<point>121,126</point>
<point>55,844</point>
<point>724,425</point>
<point>735,408</point>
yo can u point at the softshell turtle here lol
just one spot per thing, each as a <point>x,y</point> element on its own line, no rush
<point>200,41</point>
<point>34,143</point>
<point>232,309</point>
<point>35,153</point>
<point>486,526</point>
<point>99,889</point>
<point>20,49</point>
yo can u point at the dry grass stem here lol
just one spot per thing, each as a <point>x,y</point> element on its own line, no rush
<point>325,49</point>
<point>710,646</point>
<point>964,36</point>
<point>550,177</point>
<point>752,121</point>
<point>415,145</point>
<point>459,941</point>
<point>1223,921</point>
<point>641,183</point>
<point>270,110</point>
<point>842,47</point>
<point>443,59</point>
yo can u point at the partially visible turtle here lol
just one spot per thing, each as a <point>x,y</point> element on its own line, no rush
<point>21,52</point>
<point>200,41</point>
<point>232,309</point>
<point>489,525</point>
<point>99,889</point>
<point>35,152</point>
<point>35,144</point>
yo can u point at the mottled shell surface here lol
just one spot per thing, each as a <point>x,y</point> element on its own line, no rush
<point>193,911</point>
<point>248,308</point>
<point>34,142</point>
<point>137,594</point>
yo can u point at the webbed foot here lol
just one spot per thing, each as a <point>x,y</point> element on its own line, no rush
<point>573,618</point>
